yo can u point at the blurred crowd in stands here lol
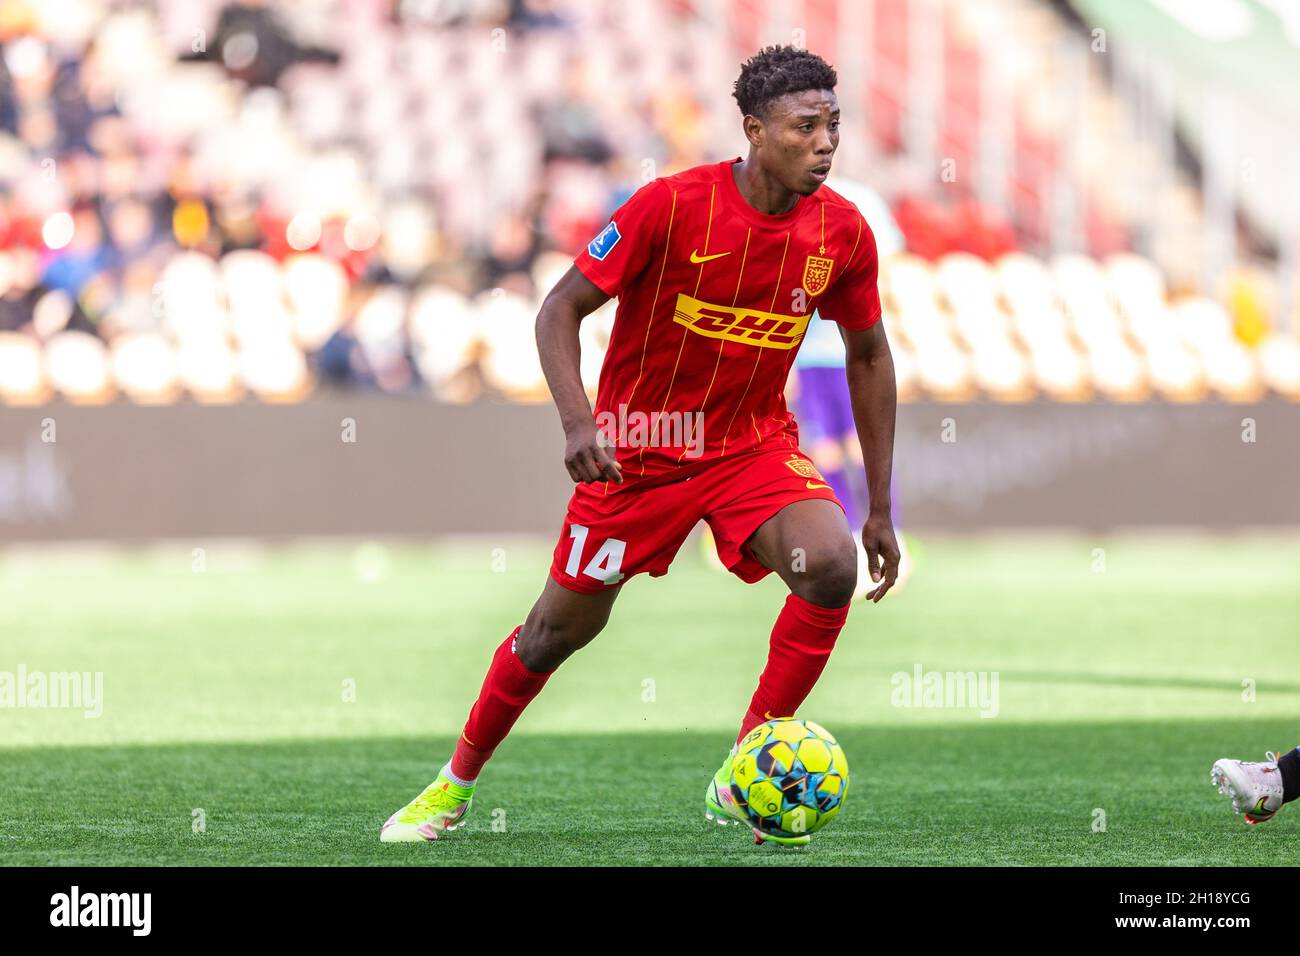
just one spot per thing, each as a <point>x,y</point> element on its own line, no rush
<point>212,201</point>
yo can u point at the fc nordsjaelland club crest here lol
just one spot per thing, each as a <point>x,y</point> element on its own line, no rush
<point>816,273</point>
<point>802,467</point>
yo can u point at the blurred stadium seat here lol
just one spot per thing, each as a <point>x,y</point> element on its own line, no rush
<point>379,199</point>
<point>22,372</point>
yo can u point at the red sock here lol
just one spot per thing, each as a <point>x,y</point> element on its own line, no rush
<point>802,640</point>
<point>507,689</point>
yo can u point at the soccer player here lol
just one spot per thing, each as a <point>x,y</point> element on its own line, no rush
<point>1258,790</point>
<point>717,271</point>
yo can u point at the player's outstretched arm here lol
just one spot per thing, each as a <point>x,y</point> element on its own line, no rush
<point>874,393</point>
<point>573,298</point>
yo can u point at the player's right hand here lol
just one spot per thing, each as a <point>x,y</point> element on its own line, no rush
<point>588,459</point>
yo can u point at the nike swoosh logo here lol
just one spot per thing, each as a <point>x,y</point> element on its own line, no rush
<point>815,484</point>
<point>768,714</point>
<point>697,258</point>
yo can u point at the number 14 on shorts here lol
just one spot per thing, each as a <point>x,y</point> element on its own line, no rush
<point>604,564</point>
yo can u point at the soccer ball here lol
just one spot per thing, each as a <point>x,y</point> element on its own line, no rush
<point>789,776</point>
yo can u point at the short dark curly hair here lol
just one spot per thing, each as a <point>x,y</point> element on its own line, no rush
<point>776,70</point>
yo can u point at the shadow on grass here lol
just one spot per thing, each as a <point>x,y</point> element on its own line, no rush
<point>1143,680</point>
<point>969,792</point>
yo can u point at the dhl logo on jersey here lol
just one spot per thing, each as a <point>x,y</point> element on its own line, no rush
<point>766,330</point>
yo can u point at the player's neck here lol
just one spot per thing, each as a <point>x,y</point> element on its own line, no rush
<point>762,191</point>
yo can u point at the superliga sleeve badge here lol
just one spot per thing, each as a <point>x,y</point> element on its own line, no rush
<point>600,247</point>
<point>816,274</point>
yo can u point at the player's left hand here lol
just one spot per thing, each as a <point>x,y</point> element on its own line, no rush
<point>882,554</point>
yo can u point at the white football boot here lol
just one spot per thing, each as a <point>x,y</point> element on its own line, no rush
<point>1255,788</point>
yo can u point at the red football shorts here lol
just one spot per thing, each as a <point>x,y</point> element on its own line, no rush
<point>612,532</point>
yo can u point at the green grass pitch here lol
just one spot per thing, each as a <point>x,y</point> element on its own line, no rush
<point>289,700</point>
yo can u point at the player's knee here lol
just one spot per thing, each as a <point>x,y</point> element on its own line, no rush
<point>545,642</point>
<point>829,578</point>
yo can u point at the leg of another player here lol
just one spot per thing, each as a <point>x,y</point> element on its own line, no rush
<point>856,506</point>
<point>828,455</point>
<point>858,502</point>
<point>809,545</point>
<point>1259,790</point>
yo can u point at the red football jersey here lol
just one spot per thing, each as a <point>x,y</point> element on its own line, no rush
<point>713,300</point>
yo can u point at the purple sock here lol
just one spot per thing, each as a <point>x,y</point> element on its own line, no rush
<point>839,482</point>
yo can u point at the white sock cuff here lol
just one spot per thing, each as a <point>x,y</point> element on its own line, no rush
<point>446,772</point>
